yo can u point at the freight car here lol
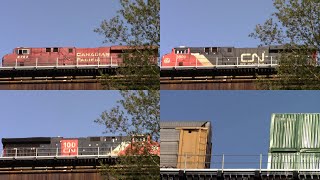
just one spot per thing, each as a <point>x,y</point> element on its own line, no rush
<point>294,141</point>
<point>215,56</point>
<point>64,56</point>
<point>59,146</point>
<point>185,145</point>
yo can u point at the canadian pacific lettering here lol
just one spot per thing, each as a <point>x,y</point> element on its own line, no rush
<point>93,54</point>
<point>91,57</point>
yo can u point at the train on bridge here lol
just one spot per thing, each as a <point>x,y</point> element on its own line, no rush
<point>83,146</point>
<point>69,56</point>
<point>182,56</point>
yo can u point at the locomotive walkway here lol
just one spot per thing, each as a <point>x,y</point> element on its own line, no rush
<point>54,157</point>
<point>245,174</point>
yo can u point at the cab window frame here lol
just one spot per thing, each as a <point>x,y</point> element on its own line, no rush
<point>23,51</point>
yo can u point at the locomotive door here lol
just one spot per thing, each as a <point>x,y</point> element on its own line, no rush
<point>67,56</point>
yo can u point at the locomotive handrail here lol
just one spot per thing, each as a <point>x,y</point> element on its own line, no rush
<point>219,66</point>
<point>232,161</point>
<point>224,63</point>
<point>23,152</point>
<point>58,67</point>
<point>34,62</point>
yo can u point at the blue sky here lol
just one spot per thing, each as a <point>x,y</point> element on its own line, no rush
<point>70,23</point>
<point>240,119</point>
<point>211,22</point>
<point>38,23</point>
<point>53,113</point>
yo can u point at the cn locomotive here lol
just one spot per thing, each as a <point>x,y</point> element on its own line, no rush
<point>59,146</point>
<point>64,56</point>
<point>215,56</point>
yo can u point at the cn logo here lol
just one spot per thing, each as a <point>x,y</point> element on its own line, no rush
<point>248,57</point>
<point>69,147</point>
<point>166,60</point>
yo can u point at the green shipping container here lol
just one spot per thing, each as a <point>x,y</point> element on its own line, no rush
<point>299,161</point>
<point>282,160</point>
<point>283,133</point>
<point>299,132</point>
<point>309,132</point>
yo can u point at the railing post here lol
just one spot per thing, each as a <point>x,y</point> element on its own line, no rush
<point>216,61</point>
<point>98,151</point>
<point>16,62</point>
<point>98,61</point>
<point>196,62</point>
<point>57,152</point>
<point>260,162</point>
<point>36,62</point>
<point>111,60</point>
<point>222,163</point>
<point>185,162</point>
<point>16,153</point>
<point>36,152</point>
<point>175,66</point>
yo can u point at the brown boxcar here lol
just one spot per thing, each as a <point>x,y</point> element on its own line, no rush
<point>185,145</point>
<point>193,148</point>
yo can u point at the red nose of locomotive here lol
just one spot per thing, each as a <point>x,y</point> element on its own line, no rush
<point>3,63</point>
<point>167,60</point>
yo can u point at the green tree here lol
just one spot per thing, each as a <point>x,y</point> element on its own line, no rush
<point>137,24</point>
<point>296,25</point>
<point>136,115</point>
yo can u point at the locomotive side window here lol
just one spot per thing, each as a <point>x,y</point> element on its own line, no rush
<point>214,49</point>
<point>229,50</point>
<point>70,50</point>
<point>48,49</point>
<point>206,50</point>
<point>55,49</point>
<point>181,51</point>
<point>23,51</point>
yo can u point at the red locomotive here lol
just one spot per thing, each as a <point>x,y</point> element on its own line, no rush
<point>64,56</point>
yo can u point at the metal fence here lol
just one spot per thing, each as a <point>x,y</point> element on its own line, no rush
<point>55,152</point>
<point>35,62</point>
<point>296,161</point>
<point>229,62</point>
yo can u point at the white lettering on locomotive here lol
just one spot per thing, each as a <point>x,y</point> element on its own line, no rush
<point>88,59</point>
<point>251,57</point>
<point>94,54</point>
<point>22,57</point>
<point>181,56</point>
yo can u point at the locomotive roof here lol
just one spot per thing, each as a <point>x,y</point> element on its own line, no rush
<point>174,124</point>
<point>119,47</point>
<point>270,46</point>
<point>26,140</point>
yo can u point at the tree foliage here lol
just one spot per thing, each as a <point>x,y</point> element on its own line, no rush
<point>137,24</point>
<point>296,25</point>
<point>136,115</point>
